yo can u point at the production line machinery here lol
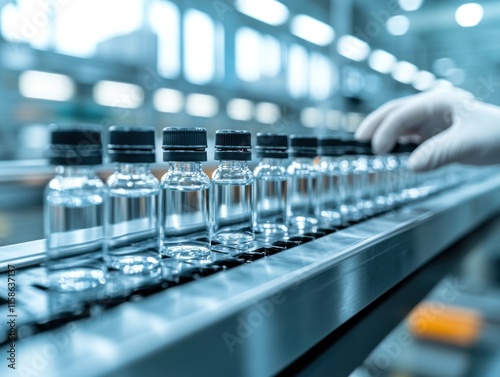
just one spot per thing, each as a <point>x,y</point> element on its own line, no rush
<point>318,302</point>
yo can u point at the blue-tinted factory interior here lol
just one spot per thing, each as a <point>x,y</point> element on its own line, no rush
<point>250,188</point>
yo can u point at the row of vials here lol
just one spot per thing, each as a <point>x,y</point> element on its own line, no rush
<point>132,220</point>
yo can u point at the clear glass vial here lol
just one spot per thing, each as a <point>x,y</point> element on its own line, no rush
<point>185,195</point>
<point>270,186</point>
<point>132,201</point>
<point>330,189</point>
<point>351,183</point>
<point>365,176</point>
<point>232,188</point>
<point>74,210</point>
<point>302,184</point>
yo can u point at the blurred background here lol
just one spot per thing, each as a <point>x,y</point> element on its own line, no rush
<point>293,66</point>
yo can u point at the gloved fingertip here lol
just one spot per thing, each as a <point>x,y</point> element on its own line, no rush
<point>381,146</point>
<point>415,164</point>
<point>361,135</point>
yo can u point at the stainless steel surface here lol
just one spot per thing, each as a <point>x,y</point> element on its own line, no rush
<point>256,319</point>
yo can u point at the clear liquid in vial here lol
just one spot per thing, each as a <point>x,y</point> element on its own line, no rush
<point>329,200</point>
<point>185,228</point>
<point>233,213</point>
<point>270,207</point>
<point>301,199</point>
<point>131,229</point>
<point>75,235</point>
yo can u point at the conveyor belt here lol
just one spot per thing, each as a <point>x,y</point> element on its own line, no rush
<point>257,318</point>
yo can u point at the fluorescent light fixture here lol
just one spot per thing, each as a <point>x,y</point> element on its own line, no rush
<point>269,11</point>
<point>353,48</point>
<point>397,25</point>
<point>240,109</point>
<point>202,105</point>
<point>118,94</point>
<point>45,85</point>
<point>168,100</point>
<point>312,30</point>
<point>267,112</point>
<point>423,80</point>
<point>311,117</point>
<point>404,72</point>
<point>381,61</point>
<point>468,15</point>
<point>410,5</point>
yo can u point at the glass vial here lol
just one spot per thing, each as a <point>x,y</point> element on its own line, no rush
<point>351,183</point>
<point>365,176</point>
<point>132,201</point>
<point>184,195</point>
<point>302,184</point>
<point>330,189</point>
<point>74,210</point>
<point>270,186</point>
<point>232,188</point>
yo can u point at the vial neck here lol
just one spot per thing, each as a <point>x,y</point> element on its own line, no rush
<point>132,169</point>
<point>303,160</point>
<point>75,171</point>
<point>233,164</point>
<point>186,166</point>
<point>267,161</point>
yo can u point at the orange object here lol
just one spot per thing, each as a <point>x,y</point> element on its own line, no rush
<point>448,324</point>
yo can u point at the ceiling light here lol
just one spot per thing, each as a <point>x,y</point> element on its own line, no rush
<point>468,15</point>
<point>269,11</point>
<point>267,112</point>
<point>353,48</point>
<point>404,72</point>
<point>423,80</point>
<point>168,100</point>
<point>410,5</point>
<point>397,25</point>
<point>118,94</point>
<point>202,105</point>
<point>312,30</point>
<point>381,61</point>
<point>240,109</point>
<point>45,85</point>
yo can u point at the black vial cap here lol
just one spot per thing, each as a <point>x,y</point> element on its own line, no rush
<point>131,144</point>
<point>404,148</point>
<point>75,145</point>
<point>303,146</point>
<point>331,146</point>
<point>233,145</point>
<point>351,147</point>
<point>184,144</point>
<point>271,145</point>
<point>363,147</point>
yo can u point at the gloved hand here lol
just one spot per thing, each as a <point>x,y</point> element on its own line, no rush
<point>451,123</point>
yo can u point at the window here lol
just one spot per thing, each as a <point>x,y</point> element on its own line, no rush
<point>297,71</point>
<point>165,20</point>
<point>320,77</point>
<point>199,47</point>
<point>81,25</point>
<point>247,58</point>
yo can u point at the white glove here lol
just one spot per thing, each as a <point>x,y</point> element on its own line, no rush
<point>451,123</point>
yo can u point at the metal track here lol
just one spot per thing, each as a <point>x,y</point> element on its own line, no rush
<point>256,319</point>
